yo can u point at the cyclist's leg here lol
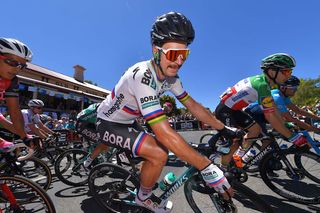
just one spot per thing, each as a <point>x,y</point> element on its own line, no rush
<point>5,146</point>
<point>88,131</point>
<point>134,139</point>
<point>247,123</point>
<point>224,114</point>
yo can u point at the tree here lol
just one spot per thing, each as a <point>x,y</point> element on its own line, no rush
<point>90,82</point>
<point>308,93</point>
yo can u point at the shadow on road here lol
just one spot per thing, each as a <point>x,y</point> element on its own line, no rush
<point>72,192</point>
<point>282,205</point>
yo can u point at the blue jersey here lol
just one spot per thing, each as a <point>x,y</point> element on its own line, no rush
<point>280,100</point>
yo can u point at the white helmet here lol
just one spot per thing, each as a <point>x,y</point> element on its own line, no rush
<point>35,103</point>
<point>15,47</point>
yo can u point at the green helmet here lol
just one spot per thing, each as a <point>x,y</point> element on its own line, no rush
<point>278,61</point>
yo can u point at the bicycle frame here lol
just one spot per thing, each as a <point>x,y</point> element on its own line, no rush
<point>9,195</point>
<point>315,144</point>
<point>179,182</point>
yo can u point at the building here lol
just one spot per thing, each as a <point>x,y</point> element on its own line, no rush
<point>60,93</point>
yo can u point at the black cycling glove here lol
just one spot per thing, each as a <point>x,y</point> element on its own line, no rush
<point>231,132</point>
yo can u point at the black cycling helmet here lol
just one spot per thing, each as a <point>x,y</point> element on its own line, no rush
<point>278,61</point>
<point>172,26</point>
<point>293,81</point>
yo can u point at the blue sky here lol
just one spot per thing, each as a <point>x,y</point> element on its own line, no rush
<point>107,37</point>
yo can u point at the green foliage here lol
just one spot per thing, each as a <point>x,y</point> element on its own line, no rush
<point>90,82</point>
<point>308,92</point>
<point>168,98</point>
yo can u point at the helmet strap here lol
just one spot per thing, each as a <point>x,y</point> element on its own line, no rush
<point>157,59</point>
<point>273,78</point>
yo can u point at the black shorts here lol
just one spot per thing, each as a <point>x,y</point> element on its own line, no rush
<point>87,131</point>
<point>260,119</point>
<point>233,118</point>
<point>128,137</point>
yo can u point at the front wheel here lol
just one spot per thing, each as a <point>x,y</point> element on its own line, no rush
<point>280,173</point>
<point>204,199</point>
<point>33,168</point>
<point>69,167</point>
<point>30,197</point>
<point>114,188</point>
<point>309,163</point>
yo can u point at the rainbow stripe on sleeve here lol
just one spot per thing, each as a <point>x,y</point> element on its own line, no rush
<point>183,97</point>
<point>155,117</point>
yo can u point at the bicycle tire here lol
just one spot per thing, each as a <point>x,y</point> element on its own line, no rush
<point>295,187</point>
<point>307,171</point>
<point>105,186</point>
<point>32,168</point>
<point>27,194</point>
<point>49,154</point>
<point>69,169</point>
<point>209,135</point>
<point>196,193</point>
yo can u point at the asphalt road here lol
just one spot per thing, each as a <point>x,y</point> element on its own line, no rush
<point>76,199</point>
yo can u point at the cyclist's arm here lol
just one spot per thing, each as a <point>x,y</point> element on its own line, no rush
<point>297,110</point>
<point>16,116</point>
<point>35,130</point>
<point>202,114</point>
<point>288,117</point>
<point>45,128</point>
<point>175,143</point>
<point>277,122</point>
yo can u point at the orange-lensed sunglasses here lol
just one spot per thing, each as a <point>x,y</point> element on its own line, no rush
<point>174,54</point>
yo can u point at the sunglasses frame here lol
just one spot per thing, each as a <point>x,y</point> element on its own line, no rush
<point>286,71</point>
<point>165,51</point>
<point>13,63</point>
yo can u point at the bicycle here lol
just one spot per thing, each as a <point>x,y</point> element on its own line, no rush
<point>69,166</point>
<point>114,188</point>
<point>282,170</point>
<point>26,166</point>
<point>49,150</point>
<point>18,194</point>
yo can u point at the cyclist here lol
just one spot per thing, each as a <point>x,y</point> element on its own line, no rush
<point>13,58</point>
<point>277,69</point>
<point>281,97</point>
<point>137,93</point>
<point>32,121</point>
<point>86,127</point>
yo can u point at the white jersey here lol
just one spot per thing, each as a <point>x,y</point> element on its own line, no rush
<point>29,118</point>
<point>138,94</point>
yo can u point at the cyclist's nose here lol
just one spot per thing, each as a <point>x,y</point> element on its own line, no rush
<point>180,60</point>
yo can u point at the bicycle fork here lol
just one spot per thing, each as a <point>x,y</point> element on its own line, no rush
<point>9,195</point>
<point>291,172</point>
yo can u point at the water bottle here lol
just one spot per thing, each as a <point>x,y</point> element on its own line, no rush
<point>284,146</point>
<point>249,155</point>
<point>167,181</point>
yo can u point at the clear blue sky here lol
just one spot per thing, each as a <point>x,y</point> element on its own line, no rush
<point>107,37</point>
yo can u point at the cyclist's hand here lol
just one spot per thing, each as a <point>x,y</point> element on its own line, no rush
<point>214,177</point>
<point>56,134</point>
<point>231,132</point>
<point>298,139</point>
<point>29,140</point>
